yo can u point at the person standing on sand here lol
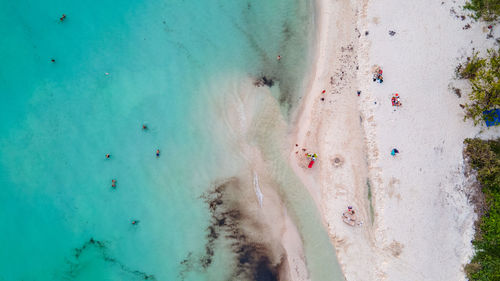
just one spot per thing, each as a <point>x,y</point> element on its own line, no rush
<point>394,151</point>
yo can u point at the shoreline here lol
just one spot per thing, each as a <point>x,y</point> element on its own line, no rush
<point>331,128</point>
<point>271,196</point>
<point>393,196</point>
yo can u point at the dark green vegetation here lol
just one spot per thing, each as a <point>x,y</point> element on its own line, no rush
<point>372,213</point>
<point>484,157</point>
<point>487,10</point>
<point>484,76</point>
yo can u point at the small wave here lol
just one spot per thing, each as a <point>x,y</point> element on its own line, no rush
<point>258,192</point>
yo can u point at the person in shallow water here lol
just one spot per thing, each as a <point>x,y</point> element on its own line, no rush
<point>135,222</point>
<point>63,17</point>
<point>113,183</point>
<point>144,127</point>
<point>157,153</point>
<point>107,156</point>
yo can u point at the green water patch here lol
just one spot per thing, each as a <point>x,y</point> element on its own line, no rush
<point>369,192</point>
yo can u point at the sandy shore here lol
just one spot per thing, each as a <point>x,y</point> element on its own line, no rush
<point>417,221</point>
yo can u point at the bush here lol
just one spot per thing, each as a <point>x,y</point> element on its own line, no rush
<point>487,10</point>
<point>469,69</point>
<point>484,76</point>
<point>484,157</point>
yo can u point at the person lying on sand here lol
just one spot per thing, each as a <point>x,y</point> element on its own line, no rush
<point>349,216</point>
<point>377,75</point>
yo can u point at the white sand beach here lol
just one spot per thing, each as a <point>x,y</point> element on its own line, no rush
<point>417,222</point>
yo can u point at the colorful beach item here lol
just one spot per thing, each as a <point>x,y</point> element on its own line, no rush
<point>491,117</point>
<point>395,100</point>
<point>313,157</point>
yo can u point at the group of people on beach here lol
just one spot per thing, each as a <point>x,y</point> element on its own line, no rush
<point>377,75</point>
<point>349,217</point>
<point>395,100</point>
<point>312,157</point>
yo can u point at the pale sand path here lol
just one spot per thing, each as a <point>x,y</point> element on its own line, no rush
<point>423,222</point>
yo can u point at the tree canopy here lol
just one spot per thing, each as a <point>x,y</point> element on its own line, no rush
<point>484,76</point>
<point>487,10</point>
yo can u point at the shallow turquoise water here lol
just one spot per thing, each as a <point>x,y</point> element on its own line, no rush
<point>58,120</point>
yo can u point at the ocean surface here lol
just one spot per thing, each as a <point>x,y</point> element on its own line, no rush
<point>171,65</point>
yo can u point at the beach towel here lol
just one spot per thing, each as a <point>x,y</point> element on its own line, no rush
<point>491,117</point>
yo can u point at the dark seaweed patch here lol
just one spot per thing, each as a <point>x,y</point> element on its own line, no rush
<point>264,81</point>
<point>263,272</point>
<point>287,32</point>
<point>91,242</point>
<point>252,259</point>
<point>72,273</point>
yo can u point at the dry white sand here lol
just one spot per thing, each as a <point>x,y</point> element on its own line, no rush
<point>422,222</point>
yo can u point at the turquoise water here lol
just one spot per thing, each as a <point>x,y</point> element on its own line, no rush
<point>61,220</point>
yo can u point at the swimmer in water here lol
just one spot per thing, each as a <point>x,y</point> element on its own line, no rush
<point>53,60</point>
<point>278,57</point>
<point>157,153</point>
<point>135,222</point>
<point>107,156</point>
<point>63,17</point>
<point>144,127</point>
<point>113,183</point>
